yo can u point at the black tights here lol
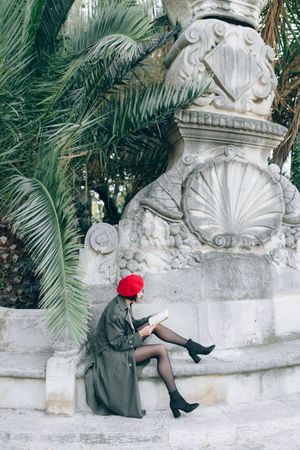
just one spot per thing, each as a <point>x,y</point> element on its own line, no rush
<point>159,352</point>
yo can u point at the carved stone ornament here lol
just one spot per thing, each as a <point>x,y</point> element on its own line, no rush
<point>238,62</point>
<point>163,196</point>
<point>102,238</point>
<point>187,11</point>
<point>291,197</point>
<point>230,122</point>
<point>232,204</point>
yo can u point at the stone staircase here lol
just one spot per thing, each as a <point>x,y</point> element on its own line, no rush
<point>248,374</point>
<point>249,399</point>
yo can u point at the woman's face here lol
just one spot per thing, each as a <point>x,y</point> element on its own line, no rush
<point>139,296</point>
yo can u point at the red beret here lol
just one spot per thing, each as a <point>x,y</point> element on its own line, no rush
<point>130,285</point>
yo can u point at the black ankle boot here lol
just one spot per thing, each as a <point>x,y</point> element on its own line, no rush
<point>194,349</point>
<point>177,402</point>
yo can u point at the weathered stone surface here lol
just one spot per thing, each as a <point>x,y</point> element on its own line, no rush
<point>23,331</point>
<point>184,285</point>
<point>286,314</point>
<point>285,281</point>
<point>236,276</point>
<point>231,324</point>
<point>267,425</point>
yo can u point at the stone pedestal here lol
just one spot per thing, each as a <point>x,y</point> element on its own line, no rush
<point>61,382</point>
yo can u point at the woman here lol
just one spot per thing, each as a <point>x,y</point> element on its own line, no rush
<point>111,380</point>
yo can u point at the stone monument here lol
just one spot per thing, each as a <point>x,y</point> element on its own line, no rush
<point>217,236</point>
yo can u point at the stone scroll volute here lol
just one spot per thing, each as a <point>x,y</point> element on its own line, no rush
<point>99,256</point>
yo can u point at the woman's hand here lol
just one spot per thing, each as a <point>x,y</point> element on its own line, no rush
<point>147,330</point>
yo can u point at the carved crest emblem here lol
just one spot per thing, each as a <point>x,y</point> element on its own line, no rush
<point>234,66</point>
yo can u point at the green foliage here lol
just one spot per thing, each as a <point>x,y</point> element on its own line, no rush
<point>42,208</point>
<point>19,287</point>
<point>295,169</point>
<point>281,30</point>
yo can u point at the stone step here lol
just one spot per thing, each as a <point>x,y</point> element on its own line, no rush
<point>231,376</point>
<point>239,375</point>
<point>265,425</point>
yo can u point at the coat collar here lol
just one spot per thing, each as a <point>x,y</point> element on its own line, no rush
<point>122,303</point>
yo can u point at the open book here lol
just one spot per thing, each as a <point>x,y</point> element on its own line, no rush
<point>158,318</point>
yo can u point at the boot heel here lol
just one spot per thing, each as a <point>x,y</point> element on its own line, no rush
<point>176,412</point>
<point>195,357</point>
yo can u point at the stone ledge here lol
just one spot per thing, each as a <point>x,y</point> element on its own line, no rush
<point>18,365</point>
<point>243,360</point>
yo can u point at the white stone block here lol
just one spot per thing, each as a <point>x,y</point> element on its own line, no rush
<point>23,331</point>
<point>235,323</point>
<point>287,314</point>
<point>278,382</point>
<point>22,393</point>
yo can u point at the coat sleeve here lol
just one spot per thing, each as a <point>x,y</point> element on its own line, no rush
<point>115,332</point>
<point>139,322</point>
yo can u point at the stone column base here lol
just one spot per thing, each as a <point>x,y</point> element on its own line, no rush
<point>61,382</point>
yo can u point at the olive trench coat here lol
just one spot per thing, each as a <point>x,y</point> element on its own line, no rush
<point>111,378</point>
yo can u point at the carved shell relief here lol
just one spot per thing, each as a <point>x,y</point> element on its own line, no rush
<point>231,203</point>
<point>237,60</point>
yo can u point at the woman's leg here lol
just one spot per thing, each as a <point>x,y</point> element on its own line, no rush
<point>164,368</point>
<point>167,335</point>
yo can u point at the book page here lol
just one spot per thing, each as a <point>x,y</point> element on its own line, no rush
<point>158,318</point>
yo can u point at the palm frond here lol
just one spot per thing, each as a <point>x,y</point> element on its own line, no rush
<point>41,207</point>
<point>107,74</point>
<point>140,108</point>
<point>105,19</point>
<point>295,168</point>
<point>281,30</point>
<point>49,17</point>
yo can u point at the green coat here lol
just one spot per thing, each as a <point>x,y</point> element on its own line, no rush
<point>111,379</point>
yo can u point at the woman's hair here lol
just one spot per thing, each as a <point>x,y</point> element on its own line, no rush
<point>132,298</point>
